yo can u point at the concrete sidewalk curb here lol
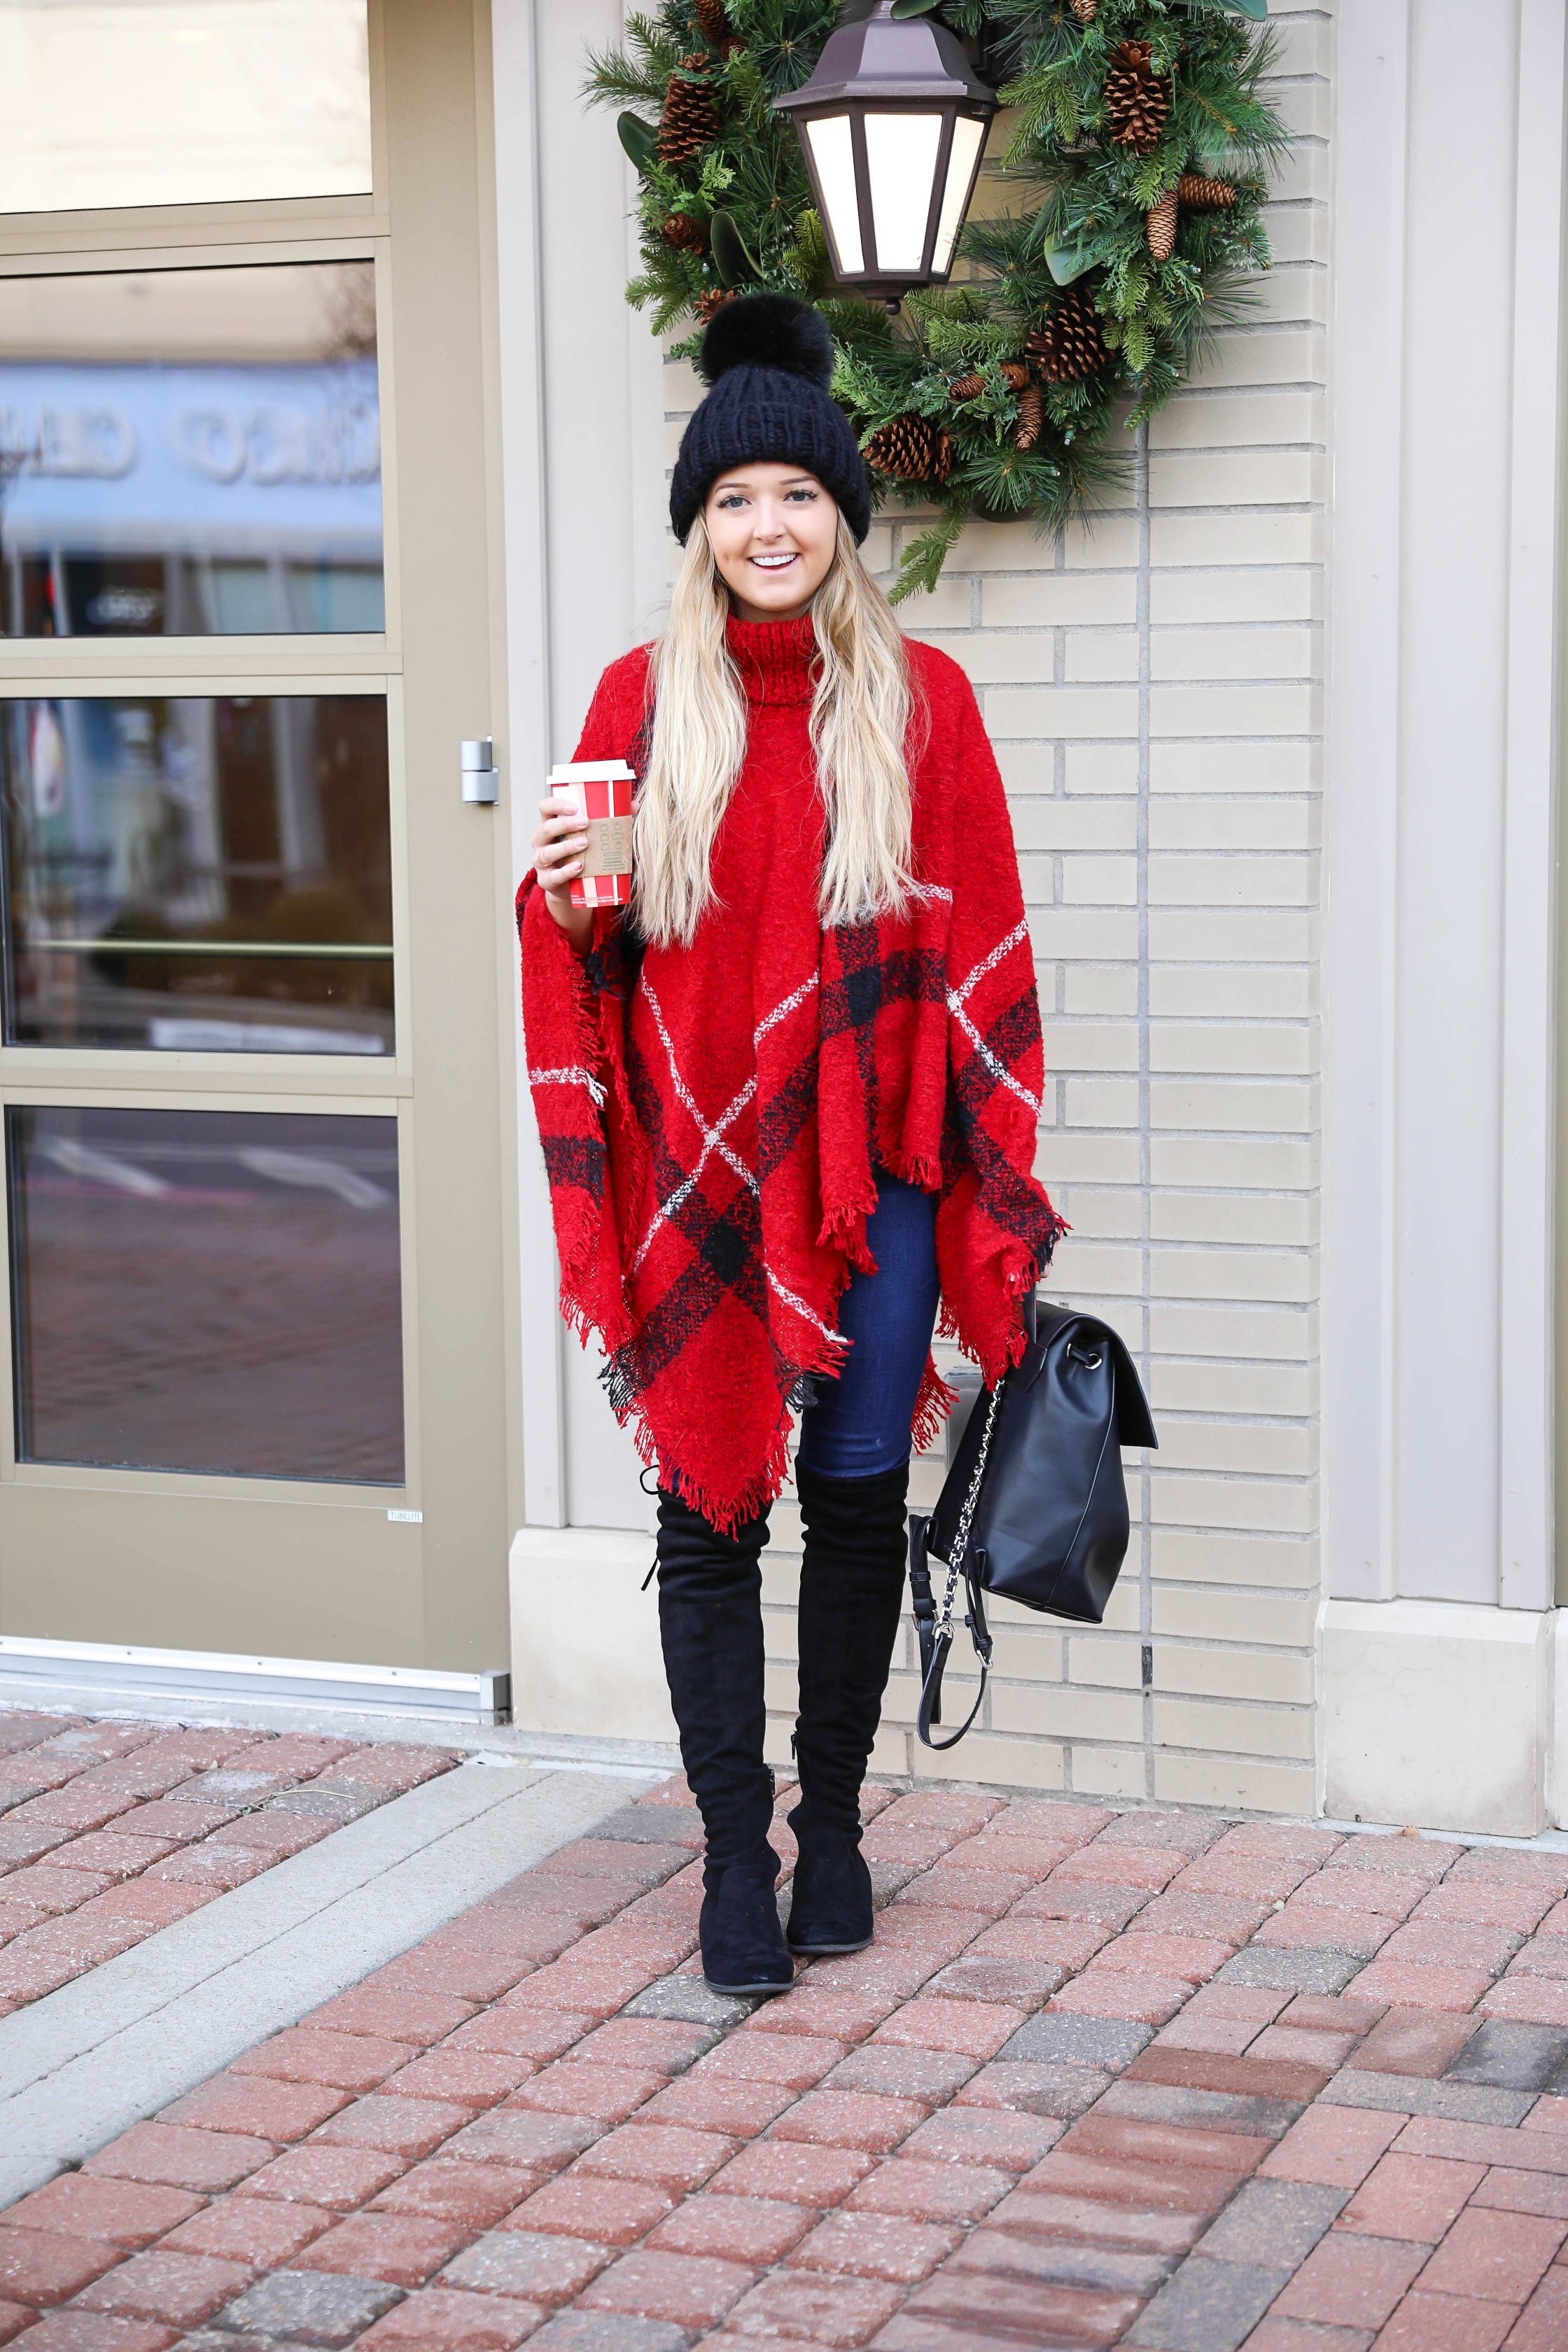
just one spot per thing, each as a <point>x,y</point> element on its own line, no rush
<point>121,2043</point>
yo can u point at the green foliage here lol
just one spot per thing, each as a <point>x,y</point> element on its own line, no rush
<point>1080,223</point>
<point>929,551</point>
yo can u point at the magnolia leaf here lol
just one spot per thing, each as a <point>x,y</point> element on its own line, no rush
<point>902,8</point>
<point>1257,9</point>
<point>731,258</point>
<point>1067,262</point>
<point>637,138</point>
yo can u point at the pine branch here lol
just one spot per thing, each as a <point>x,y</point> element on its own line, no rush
<point>921,564</point>
<point>619,78</point>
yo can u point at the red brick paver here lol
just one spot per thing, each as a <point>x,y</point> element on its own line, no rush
<point>1086,2087</point>
<point>121,1828</point>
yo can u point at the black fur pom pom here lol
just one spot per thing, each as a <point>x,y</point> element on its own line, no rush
<point>770,330</point>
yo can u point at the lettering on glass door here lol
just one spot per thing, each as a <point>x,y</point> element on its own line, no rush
<point>191,452</point>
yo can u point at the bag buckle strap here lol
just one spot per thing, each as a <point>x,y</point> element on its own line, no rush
<point>920,1591</point>
<point>934,1629</point>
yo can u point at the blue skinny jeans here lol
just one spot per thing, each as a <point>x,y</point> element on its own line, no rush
<point>859,1422</point>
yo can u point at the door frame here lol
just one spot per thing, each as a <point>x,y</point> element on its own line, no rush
<point>87,1553</point>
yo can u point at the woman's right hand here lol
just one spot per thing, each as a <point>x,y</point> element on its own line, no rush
<point>558,849</point>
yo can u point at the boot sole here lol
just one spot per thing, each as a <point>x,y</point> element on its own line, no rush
<point>829,1951</point>
<point>747,1992</point>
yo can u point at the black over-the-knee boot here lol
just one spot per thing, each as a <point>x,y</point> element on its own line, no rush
<point>711,1623</point>
<point>851,1598</point>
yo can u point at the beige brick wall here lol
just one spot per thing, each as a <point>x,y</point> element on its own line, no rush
<point>1152,688</point>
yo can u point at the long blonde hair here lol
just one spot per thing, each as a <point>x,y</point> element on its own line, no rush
<point>860,718</point>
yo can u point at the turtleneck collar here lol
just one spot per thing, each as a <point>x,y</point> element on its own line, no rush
<point>776,659</point>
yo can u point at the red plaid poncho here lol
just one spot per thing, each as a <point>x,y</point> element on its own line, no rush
<point>712,1117</point>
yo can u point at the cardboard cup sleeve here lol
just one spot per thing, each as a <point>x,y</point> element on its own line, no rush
<point>601,791</point>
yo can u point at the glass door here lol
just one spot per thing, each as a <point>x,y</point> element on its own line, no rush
<point>250,1026</point>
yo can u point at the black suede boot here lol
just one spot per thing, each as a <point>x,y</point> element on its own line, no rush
<point>711,1623</point>
<point>851,1600</point>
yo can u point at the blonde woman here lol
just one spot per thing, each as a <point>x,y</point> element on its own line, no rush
<point>788,1104</point>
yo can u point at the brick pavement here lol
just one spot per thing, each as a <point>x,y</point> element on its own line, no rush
<point>1146,2078</point>
<point>109,1830</point>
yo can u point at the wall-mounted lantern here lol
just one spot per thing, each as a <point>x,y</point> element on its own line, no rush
<point>893,123</point>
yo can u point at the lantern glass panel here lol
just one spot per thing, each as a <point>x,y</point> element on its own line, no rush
<point>902,153</point>
<point>968,137</point>
<point>832,153</point>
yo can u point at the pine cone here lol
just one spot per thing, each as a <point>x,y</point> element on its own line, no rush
<point>903,449</point>
<point>714,298</point>
<point>1031,417</point>
<point>1067,346</point>
<point>1138,101</point>
<point>1160,228</point>
<point>1085,11</point>
<point>714,25</point>
<point>1202,195</point>
<point>909,449</point>
<point>690,119</point>
<point>684,234</point>
<point>1015,375</point>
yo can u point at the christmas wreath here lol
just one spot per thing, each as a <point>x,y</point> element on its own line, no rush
<point>1141,144</point>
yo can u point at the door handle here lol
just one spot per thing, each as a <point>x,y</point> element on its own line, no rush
<point>477,768</point>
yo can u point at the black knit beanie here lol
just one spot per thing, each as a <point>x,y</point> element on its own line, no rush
<point>769,361</point>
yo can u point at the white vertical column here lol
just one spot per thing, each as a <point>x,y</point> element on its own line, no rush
<point>1525,1536</point>
<point>1439,945</point>
<point>584,471</point>
<point>1359,991</point>
<point>1448,909</point>
<point>520,335</point>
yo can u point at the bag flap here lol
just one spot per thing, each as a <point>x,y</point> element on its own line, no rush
<point>1134,1421</point>
<point>1053,1324</point>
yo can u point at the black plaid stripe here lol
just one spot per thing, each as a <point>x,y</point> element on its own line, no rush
<point>781,1117</point>
<point>613,962</point>
<point>1014,1034</point>
<point>1006,1194</point>
<point>1010,1202</point>
<point>726,1262</point>
<point>725,1245</point>
<point>579,1160</point>
<point>1015,1030</point>
<point>852,997</point>
<point>670,1171</point>
<point>867,982</point>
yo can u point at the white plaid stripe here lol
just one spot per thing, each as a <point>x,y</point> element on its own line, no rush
<point>572,1076</point>
<point>769,1019</point>
<point>712,1136</point>
<point>800,1306</point>
<point>957,998</point>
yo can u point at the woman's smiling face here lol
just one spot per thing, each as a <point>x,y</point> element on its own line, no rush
<point>774,530</point>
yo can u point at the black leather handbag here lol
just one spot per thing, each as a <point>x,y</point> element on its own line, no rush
<point>1034,1505</point>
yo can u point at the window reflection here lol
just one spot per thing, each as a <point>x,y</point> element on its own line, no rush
<point>190,452</point>
<point>113,102</point>
<point>203,874</point>
<point>207,1291</point>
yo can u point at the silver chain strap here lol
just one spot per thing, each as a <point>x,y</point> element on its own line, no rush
<point>961,1539</point>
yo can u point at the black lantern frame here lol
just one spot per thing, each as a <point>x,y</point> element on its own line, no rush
<point>871,77</point>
